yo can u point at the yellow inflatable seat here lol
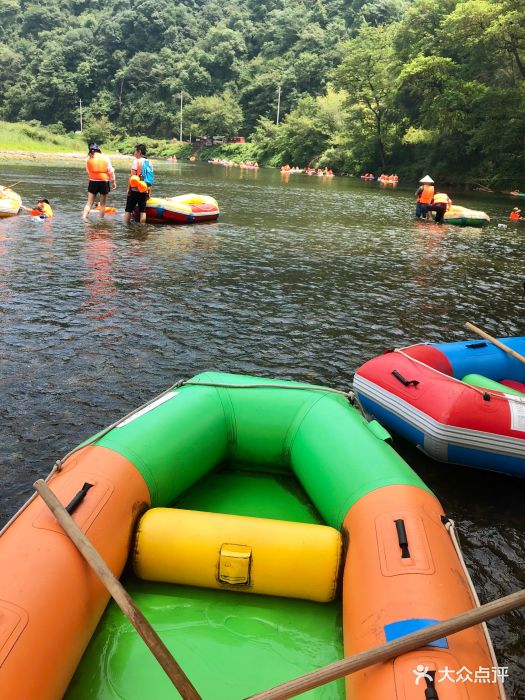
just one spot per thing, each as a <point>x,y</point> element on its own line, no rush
<point>170,203</point>
<point>192,198</point>
<point>212,550</point>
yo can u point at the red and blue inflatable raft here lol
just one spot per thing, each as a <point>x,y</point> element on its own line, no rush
<point>462,402</point>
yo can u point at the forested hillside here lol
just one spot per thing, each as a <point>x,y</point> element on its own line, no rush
<point>384,84</point>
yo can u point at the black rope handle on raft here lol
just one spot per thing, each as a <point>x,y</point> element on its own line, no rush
<point>406,382</point>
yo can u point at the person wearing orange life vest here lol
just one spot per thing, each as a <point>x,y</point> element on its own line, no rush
<point>440,203</point>
<point>101,178</point>
<point>424,195</point>
<point>515,215</point>
<point>138,191</point>
<point>42,209</point>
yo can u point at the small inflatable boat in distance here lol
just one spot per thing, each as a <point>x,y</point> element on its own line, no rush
<point>183,209</point>
<point>462,402</point>
<point>10,202</point>
<point>232,497</point>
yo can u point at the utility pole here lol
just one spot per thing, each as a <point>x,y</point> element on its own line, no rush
<point>180,132</point>
<point>278,104</point>
<point>80,101</point>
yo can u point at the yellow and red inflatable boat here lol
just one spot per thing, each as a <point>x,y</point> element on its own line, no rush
<point>270,530</point>
<point>183,209</point>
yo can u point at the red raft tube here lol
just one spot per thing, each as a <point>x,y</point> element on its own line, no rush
<point>462,402</point>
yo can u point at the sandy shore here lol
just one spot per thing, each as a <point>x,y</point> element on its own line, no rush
<point>39,155</point>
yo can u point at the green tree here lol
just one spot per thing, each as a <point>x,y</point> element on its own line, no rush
<point>497,28</point>
<point>223,51</point>
<point>366,75</point>
<point>218,115</point>
<point>265,140</point>
<point>455,92</point>
<point>10,13</point>
<point>98,129</point>
<point>380,12</point>
<point>306,133</point>
<point>259,83</point>
<point>418,31</point>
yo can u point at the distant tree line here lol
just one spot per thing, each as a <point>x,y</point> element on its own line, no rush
<point>406,85</point>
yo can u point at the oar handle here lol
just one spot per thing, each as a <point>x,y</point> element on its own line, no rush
<point>119,594</point>
<point>391,650</point>
<point>495,342</point>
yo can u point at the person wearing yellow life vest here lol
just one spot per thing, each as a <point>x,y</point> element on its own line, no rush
<point>101,179</point>
<point>42,209</point>
<point>138,191</point>
<point>424,195</point>
<point>440,203</point>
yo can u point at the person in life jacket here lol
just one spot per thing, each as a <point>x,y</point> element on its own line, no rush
<point>101,177</point>
<point>42,209</point>
<point>138,190</point>
<point>424,195</point>
<point>440,203</point>
<point>515,215</point>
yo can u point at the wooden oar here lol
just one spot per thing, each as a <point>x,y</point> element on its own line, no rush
<point>391,650</point>
<point>120,595</point>
<point>8,187</point>
<point>497,343</point>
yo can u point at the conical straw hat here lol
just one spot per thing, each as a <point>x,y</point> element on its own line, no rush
<point>427,178</point>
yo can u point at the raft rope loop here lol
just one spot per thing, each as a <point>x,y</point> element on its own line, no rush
<point>347,394</point>
<point>183,382</point>
<point>483,392</point>
<point>450,526</point>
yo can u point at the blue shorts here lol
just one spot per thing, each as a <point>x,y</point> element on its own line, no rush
<point>421,210</point>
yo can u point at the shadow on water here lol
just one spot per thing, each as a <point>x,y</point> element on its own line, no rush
<point>302,278</point>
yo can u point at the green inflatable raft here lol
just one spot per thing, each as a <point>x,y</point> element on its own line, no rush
<point>273,449</point>
<point>263,527</point>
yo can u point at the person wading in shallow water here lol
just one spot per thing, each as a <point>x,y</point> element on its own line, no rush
<point>138,191</point>
<point>101,178</point>
<point>424,196</point>
<point>440,203</point>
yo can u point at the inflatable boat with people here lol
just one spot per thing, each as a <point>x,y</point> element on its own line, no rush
<point>263,527</point>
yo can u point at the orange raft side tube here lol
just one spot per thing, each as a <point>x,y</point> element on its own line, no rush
<point>381,587</point>
<point>41,643</point>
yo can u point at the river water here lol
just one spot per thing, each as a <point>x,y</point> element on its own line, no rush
<point>303,278</point>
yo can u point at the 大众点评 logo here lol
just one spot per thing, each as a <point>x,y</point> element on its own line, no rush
<point>483,674</point>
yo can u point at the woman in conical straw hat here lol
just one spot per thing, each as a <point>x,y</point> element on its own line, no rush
<point>424,195</point>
